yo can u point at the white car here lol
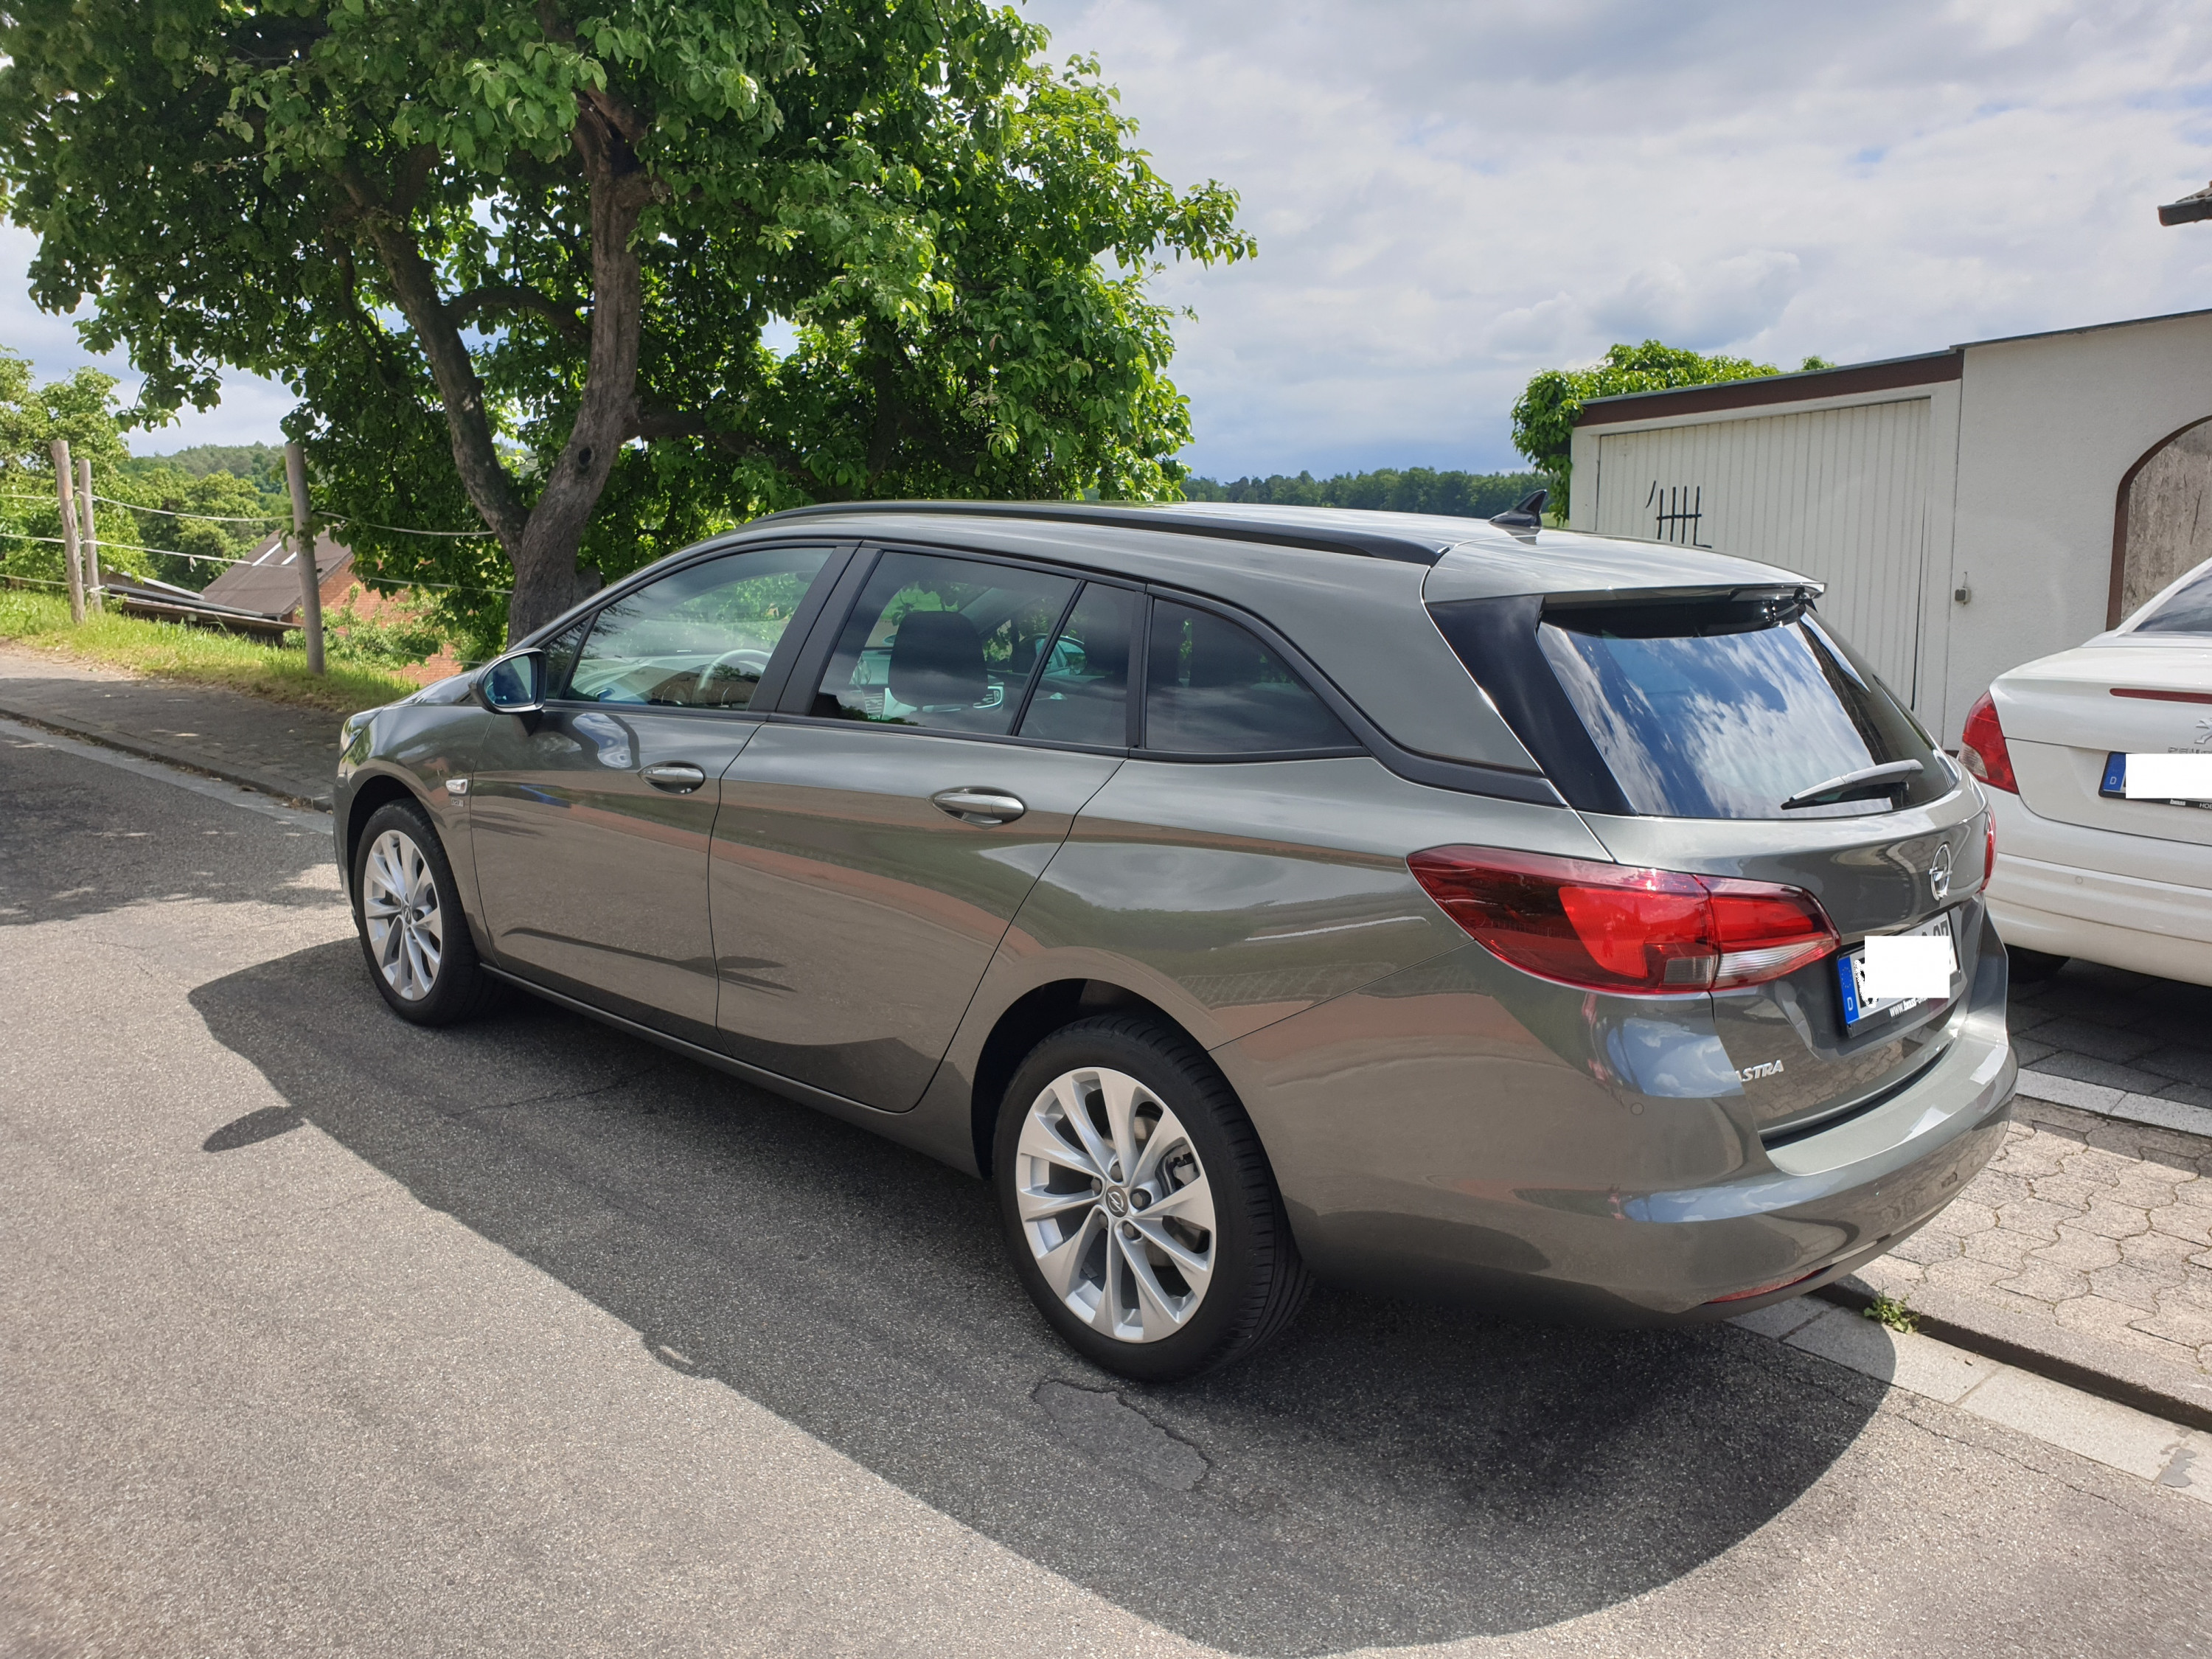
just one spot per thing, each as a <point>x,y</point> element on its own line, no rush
<point>2084,868</point>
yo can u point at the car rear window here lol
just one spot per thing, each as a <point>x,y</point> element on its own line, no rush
<point>2187,609</point>
<point>1725,711</point>
<point>1212,688</point>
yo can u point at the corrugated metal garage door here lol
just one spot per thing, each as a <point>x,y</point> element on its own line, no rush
<point>1840,495</point>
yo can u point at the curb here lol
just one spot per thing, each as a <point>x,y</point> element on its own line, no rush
<point>2149,1385</point>
<point>248,777</point>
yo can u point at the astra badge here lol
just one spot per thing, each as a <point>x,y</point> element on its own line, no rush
<point>1939,875</point>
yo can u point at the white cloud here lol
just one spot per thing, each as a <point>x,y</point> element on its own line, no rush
<point>1449,195</point>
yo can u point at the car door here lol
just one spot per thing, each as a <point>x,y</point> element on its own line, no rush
<point>590,821</point>
<point>875,840</point>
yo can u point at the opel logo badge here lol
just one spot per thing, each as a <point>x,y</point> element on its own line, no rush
<point>1117,1200</point>
<point>1939,874</point>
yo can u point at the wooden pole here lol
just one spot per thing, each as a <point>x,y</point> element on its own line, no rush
<point>310,589</point>
<point>68,497</point>
<point>95,593</point>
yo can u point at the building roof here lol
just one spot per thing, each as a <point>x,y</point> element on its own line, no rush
<point>1926,368</point>
<point>268,583</point>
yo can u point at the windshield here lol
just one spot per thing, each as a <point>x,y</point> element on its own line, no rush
<point>1732,722</point>
<point>2187,609</point>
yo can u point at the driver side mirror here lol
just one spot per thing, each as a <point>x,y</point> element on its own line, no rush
<point>514,683</point>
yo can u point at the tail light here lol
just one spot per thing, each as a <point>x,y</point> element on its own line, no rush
<point>1608,927</point>
<point>1982,747</point>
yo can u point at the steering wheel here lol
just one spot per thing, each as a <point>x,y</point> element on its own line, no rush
<point>755,663</point>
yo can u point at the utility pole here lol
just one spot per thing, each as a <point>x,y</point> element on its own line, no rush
<point>68,498</point>
<point>95,592</point>
<point>2189,209</point>
<point>310,589</point>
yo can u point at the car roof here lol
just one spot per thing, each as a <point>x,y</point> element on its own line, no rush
<point>1347,586</point>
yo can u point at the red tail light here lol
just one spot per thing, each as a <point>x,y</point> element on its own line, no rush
<point>1608,927</point>
<point>1982,747</point>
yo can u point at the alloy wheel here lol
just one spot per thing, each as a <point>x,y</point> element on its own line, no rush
<point>1114,1204</point>
<point>406,924</point>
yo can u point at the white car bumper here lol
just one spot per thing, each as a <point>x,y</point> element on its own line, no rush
<point>2132,902</point>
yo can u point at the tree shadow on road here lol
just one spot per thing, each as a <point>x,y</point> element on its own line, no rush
<point>1387,1474</point>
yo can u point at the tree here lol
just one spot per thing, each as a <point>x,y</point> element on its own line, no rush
<point>80,409</point>
<point>1415,490</point>
<point>1543,418</point>
<point>518,257</point>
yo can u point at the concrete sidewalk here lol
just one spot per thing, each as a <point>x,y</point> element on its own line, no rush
<point>2084,1252</point>
<point>280,749</point>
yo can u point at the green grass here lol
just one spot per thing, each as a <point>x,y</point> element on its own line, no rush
<point>200,656</point>
<point>1890,1311</point>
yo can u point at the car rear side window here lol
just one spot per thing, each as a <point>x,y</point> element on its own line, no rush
<point>949,644</point>
<point>1212,688</point>
<point>1699,716</point>
<point>2188,610</point>
<point>1082,693</point>
<point>697,638</point>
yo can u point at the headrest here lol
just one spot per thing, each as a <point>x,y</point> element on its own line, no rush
<point>937,661</point>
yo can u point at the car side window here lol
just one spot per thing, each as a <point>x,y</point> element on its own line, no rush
<point>1082,692</point>
<point>699,637</point>
<point>945,643</point>
<point>1212,688</point>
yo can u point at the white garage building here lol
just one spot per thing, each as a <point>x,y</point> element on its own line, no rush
<point>1969,510</point>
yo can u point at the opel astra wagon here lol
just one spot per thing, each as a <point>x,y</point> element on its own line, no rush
<point>1452,908</point>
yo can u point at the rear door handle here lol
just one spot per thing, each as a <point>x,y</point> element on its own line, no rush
<point>981,807</point>
<point>677,777</point>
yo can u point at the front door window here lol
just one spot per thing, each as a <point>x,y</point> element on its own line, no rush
<point>698,639</point>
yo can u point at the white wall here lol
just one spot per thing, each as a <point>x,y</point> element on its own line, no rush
<point>2048,426</point>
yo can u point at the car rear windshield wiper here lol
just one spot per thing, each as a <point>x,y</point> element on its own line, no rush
<point>1867,781</point>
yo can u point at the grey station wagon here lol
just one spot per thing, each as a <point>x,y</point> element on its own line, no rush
<point>1446,907</point>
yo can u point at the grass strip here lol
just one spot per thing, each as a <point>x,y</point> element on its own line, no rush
<point>198,656</point>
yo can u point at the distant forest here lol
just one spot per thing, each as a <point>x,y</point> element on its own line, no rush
<point>1415,490</point>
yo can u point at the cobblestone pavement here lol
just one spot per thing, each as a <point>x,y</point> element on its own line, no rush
<point>2099,1225</point>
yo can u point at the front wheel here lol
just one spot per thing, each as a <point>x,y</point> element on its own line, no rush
<point>408,911</point>
<point>1139,1207</point>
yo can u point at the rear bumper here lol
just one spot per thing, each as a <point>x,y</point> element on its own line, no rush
<point>1473,1169</point>
<point>2077,891</point>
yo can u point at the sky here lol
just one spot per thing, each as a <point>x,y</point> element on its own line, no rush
<point>1449,195</point>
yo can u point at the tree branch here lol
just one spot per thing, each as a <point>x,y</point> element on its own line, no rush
<point>513,296</point>
<point>655,422</point>
<point>415,285</point>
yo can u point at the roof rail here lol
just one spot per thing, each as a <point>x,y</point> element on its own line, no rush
<point>1360,543</point>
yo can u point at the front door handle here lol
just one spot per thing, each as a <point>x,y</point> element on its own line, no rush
<point>981,807</point>
<point>677,777</point>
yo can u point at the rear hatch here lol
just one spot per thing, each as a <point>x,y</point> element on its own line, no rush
<point>2066,716</point>
<point>1717,732</point>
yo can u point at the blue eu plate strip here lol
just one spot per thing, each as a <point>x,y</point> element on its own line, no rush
<point>2116,776</point>
<point>1849,982</point>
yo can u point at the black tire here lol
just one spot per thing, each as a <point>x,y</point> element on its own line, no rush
<point>459,988</point>
<point>1258,1281</point>
<point>2032,967</point>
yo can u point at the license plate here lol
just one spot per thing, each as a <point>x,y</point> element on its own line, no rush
<point>1850,975</point>
<point>2114,784</point>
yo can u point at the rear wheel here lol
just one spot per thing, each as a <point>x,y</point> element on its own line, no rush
<point>1139,1207</point>
<point>408,911</point>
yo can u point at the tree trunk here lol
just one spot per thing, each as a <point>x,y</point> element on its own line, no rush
<point>541,541</point>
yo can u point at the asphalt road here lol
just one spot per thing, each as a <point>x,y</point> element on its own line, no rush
<point>322,1334</point>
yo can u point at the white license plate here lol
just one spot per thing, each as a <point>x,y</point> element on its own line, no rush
<point>2178,779</point>
<point>1850,977</point>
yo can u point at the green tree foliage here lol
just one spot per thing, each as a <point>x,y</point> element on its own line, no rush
<point>261,465</point>
<point>80,409</point>
<point>1415,490</point>
<point>1543,418</point>
<point>139,501</point>
<point>516,258</point>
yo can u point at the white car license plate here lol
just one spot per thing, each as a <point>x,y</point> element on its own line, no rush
<point>1850,975</point>
<point>2157,777</point>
